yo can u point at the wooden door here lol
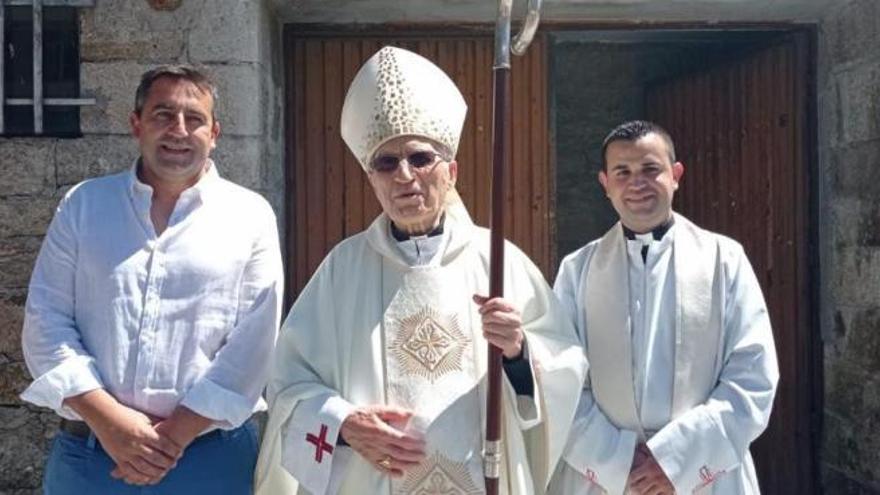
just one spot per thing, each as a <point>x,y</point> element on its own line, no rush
<point>329,197</point>
<point>743,132</point>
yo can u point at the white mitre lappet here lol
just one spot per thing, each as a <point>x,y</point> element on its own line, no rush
<point>399,93</point>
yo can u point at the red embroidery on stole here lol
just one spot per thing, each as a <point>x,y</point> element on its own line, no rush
<point>591,476</point>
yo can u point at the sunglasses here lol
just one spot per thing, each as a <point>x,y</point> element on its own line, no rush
<point>416,160</point>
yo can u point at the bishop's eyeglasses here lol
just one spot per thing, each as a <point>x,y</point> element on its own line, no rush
<point>416,160</point>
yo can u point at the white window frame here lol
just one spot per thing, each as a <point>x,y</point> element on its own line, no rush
<point>38,102</point>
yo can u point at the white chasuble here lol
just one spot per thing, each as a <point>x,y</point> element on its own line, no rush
<point>431,368</point>
<point>723,373</point>
<point>371,329</point>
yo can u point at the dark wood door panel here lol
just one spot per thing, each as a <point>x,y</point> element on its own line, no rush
<point>741,129</point>
<point>330,196</point>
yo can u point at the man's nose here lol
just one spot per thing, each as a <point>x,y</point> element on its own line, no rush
<point>178,125</point>
<point>638,180</point>
<point>404,171</point>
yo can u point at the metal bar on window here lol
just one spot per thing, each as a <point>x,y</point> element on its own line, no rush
<point>52,102</point>
<point>38,101</point>
<point>2,59</point>
<point>51,3</point>
<point>38,67</point>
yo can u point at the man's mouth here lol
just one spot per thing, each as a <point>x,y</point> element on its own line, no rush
<point>640,199</point>
<point>408,195</point>
<point>175,149</point>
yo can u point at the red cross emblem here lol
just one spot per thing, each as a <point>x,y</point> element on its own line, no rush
<point>706,475</point>
<point>591,476</point>
<point>320,443</point>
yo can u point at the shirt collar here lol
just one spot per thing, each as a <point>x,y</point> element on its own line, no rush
<point>200,190</point>
<point>401,236</point>
<point>658,232</point>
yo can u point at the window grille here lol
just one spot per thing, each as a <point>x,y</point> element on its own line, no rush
<point>50,105</point>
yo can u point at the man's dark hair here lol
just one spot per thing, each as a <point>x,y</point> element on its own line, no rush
<point>633,131</point>
<point>186,72</point>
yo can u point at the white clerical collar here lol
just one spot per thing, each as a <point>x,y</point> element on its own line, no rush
<point>422,250</point>
<point>640,245</point>
<point>656,234</point>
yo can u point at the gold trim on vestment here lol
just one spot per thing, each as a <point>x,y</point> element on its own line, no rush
<point>429,344</point>
<point>438,475</point>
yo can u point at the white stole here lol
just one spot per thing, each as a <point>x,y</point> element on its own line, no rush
<point>699,293</point>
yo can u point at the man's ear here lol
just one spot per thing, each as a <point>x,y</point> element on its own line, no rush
<point>453,172</point>
<point>677,172</point>
<point>134,121</point>
<point>215,131</point>
<point>603,179</point>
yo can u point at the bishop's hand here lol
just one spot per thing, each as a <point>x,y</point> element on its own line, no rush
<point>646,476</point>
<point>502,325</point>
<point>377,434</point>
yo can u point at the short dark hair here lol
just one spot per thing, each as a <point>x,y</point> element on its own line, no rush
<point>633,131</point>
<point>189,73</point>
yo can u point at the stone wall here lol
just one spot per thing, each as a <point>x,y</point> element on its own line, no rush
<point>849,183</point>
<point>238,43</point>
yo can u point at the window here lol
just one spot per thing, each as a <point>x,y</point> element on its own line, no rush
<point>39,70</point>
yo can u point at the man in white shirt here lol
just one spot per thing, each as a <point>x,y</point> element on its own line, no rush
<point>153,310</point>
<point>682,364</point>
<point>380,376</point>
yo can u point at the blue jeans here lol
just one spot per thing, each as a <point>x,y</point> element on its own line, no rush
<point>219,462</point>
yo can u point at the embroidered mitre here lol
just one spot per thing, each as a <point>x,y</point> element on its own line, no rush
<point>399,93</point>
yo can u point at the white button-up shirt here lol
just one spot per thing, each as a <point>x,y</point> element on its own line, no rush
<point>187,317</point>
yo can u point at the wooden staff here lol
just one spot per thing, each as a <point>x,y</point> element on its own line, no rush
<point>500,131</point>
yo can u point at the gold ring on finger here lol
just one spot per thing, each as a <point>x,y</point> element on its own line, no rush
<point>385,463</point>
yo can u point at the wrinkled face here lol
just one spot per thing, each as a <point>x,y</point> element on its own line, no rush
<point>176,130</point>
<point>640,179</point>
<point>413,193</point>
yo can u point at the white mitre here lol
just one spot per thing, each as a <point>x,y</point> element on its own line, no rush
<point>399,93</point>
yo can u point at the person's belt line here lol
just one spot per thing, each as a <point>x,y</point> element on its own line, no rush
<point>81,429</point>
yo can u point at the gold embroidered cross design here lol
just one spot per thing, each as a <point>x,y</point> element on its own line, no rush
<point>438,475</point>
<point>429,344</point>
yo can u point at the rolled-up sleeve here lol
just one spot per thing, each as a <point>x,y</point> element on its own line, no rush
<point>51,342</point>
<point>231,387</point>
